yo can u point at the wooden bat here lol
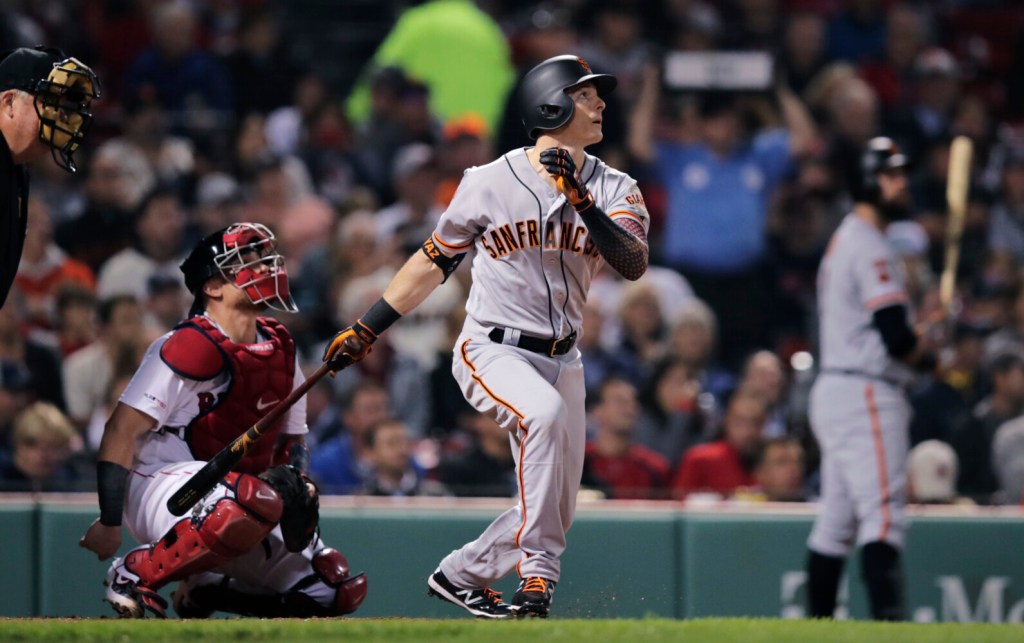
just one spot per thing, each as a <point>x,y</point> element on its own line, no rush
<point>220,465</point>
<point>957,183</point>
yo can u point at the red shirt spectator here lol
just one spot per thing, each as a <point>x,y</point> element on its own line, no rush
<point>727,464</point>
<point>637,474</point>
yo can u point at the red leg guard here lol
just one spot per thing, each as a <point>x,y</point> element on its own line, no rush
<point>332,567</point>
<point>233,527</point>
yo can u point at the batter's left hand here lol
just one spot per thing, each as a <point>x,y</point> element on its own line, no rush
<point>102,540</point>
<point>559,164</point>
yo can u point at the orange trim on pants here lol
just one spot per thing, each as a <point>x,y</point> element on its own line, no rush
<point>522,443</point>
<point>883,472</point>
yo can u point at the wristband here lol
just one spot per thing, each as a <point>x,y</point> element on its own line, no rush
<point>111,479</point>
<point>379,318</point>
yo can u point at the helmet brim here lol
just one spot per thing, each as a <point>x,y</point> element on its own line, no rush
<point>605,83</point>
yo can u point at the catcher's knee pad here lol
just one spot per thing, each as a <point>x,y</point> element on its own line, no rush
<point>330,591</point>
<point>231,528</point>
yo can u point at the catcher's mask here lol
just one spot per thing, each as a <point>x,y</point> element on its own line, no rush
<point>63,89</point>
<point>244,254</point>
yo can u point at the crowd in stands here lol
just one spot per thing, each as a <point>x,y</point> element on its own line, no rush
<point>697,374</point>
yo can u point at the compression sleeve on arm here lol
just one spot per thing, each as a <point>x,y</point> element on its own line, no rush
<point>623,245</point>
<point>111,479</point>
<point>899,338</point>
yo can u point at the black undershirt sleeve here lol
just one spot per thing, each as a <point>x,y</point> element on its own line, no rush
<point>899,338</point>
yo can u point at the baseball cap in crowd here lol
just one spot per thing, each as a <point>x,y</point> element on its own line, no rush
<point>411,159</point>
<point>932,470</point>
<point>14,377</point>
<point>217,188</point>
<point>935,62</point>
<point>466,126</point>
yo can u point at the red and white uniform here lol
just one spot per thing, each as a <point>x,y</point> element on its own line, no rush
<point>164,459</point>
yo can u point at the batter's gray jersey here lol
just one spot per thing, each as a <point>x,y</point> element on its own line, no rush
<point>534,257</point>
<point>859,275</point>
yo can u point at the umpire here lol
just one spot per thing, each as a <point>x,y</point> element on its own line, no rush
<point>44,106</point>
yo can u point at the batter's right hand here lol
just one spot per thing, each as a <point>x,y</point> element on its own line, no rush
<point>102,540</point>
<point>348,347</point>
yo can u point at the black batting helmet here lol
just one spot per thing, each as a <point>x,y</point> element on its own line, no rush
<point>544,103</point>
<point>880,154</point>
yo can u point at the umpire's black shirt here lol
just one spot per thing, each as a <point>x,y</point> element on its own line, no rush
<point>13,217</point>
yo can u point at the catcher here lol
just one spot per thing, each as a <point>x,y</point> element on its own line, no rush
<point>251,546</point>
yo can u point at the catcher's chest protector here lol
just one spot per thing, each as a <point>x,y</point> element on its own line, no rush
<point>260,376</point>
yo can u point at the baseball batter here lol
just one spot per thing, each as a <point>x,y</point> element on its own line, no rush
<point>250,546</point>
<point>541,221</point>
<point>858,409</point>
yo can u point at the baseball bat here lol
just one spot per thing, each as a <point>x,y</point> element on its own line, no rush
<point>957,183</point>
<point>220,465</point>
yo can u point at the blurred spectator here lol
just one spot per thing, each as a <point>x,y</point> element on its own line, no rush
<point>614,461</point>
<point>973,437</point>
<point>857,33</point>
<point>404,225</point>
<point>166,303</point>
<point>931,474</point>
<point>725,465</point>
<point>456,50</point>
<point>123,373</point>
<point>260,61</point>
<point>464,144</point>
<point>778,473</point>
<point>449,409</point>
<point>15,395</point>
<point>287,126</point>
<point>598,362</point>
<point>643,330</point>
<point>119,176</point>
<point>218,203</point>
<point>188,82</point>
<point>671,420</point>
<point>486,467</point>
<point>1009,338</point>
<point>763,374</point>
<point>89,371</point>
<point>339,464</point>
<point>852,114</point>
<point>694,339</point>
<point>1008,461</point>
<point>718,189</point>
<point>43,442</point>
<point>943,400</point>
<point>42,362</point>
<point>282,198</point>
<point>76,319</point>
<point>803,50</point>
<point>926,119</point>
<point>157,248</point>
<point>44,268</point>
<point>616,44</point>
<point>147,126</point>
<point>1006,229</point>
<point>331,156</point>
<point>392,471</point>
<point>891,75</point>
<point>400,374</point>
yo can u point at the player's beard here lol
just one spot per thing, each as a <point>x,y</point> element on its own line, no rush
<point>897,209</point>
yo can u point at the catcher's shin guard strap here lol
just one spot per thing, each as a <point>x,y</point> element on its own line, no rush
<point>111,481</point>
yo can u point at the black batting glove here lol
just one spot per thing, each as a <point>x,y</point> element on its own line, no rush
<point>559,164</point>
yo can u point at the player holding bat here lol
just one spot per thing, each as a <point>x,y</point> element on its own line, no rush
<point>250,546</point>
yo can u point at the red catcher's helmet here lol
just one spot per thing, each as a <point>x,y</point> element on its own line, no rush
<point>236,253</point>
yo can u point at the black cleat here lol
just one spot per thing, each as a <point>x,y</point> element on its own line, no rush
<point>533,598</point>
<point>482,603</point>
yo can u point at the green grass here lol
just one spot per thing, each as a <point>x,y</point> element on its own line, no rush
<point>534,631</point>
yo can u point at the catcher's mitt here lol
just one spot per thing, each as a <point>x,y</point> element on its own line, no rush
<point>301,514</point>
